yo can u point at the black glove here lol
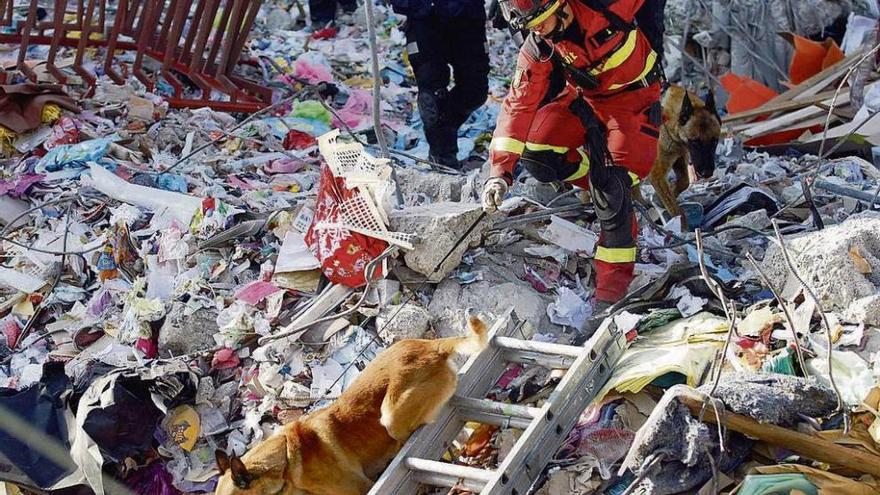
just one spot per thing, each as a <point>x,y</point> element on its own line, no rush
<point>497,16</point>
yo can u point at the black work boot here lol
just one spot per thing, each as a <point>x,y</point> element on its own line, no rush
<point>592,323</point>
<point>446,159</point>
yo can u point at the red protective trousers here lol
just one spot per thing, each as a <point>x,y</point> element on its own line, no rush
<point>632,142</point>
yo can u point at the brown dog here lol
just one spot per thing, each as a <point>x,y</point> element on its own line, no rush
<point>690,132</point>
<point>339,449</point>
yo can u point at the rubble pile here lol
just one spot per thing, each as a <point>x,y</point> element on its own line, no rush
<point>177,281</point>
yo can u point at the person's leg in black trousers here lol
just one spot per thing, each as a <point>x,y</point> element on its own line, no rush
<point>427,45</point>
<point>348,6</point>
<point>322,12</point>
<point>470,70</point>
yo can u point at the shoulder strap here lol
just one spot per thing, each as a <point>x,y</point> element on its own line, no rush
<point>541,50</point>
<point>604,8</point>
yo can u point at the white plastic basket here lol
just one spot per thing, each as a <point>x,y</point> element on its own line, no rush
<point>369,177</point>
<point>350,161</point>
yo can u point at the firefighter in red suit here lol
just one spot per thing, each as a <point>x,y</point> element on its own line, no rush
<point>575,60</point>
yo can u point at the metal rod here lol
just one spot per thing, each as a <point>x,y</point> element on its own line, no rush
<point>377,79</point>
<point>785,311</point>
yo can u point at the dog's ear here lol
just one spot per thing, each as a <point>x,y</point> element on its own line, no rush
<point>222,460</point>
<point>687,110</point>
<point>710,104</point>
<point>240,475</point>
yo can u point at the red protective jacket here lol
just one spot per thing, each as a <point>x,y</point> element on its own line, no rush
<point>615,58</point>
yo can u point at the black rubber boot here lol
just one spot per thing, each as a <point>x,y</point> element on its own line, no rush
<point>447,159</point>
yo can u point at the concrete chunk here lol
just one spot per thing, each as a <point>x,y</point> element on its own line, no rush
<point>407,322</point>
<point>486,297</point>
<point>757,219</point>
<point>186,333</point>
<point>824,261</point>
<point>438,227</point>
<point>865,310</point>
<point>416,185</point>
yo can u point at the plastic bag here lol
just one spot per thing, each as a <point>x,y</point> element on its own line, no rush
<point>343,254</point>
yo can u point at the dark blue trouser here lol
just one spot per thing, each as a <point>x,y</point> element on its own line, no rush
<point>434,44</point>
<point>324,11</point>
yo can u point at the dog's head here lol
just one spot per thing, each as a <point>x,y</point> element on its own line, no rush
<point>700,129</point>
<point>263,473</point>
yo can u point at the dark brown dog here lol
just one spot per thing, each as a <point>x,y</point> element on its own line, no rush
<point>689,132</point>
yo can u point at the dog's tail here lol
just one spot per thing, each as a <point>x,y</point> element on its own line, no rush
<point>473,343</point>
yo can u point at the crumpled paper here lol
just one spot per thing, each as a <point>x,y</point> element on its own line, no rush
<point>568,309</point>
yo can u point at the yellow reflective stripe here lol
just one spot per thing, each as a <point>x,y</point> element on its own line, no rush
<point>635,179</point>
<point>543,17</point>
<point>620,56</point>
<point>649,64</point>
<point>582,170</point>
<point>545,147</point>
<point>615,255</point>
<point>507,144</point>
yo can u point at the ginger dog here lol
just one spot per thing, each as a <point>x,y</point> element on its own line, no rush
<point>338,450</point>
<point>690,132</point>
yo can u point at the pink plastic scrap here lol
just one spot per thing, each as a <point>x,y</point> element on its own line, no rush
<point>355,110</point>
<point>311,72</point>
<point>256,291</point>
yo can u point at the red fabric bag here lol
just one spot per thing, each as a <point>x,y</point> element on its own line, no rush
<point>343,253</point>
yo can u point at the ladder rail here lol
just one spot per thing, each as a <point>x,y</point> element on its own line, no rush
<point>537,445</point>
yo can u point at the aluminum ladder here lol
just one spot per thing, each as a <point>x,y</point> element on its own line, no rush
<point>545,428</point>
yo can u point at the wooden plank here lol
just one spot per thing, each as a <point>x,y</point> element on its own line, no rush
<point>808,446</point>
<point>788,120</point>
<point>782,106</point>
<point>817,120</point>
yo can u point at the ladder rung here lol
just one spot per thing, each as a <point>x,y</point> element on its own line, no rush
<point>540,359</point>
<point>449,474</point>
<point>498,420</point>
<point>540,347</point>
<point>444,480</point>
<point>493,413</point>
<point>467,405</point>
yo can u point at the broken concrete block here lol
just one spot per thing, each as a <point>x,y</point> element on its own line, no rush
<point>486,297</point>
<point>824,261</point>
<point>756,219</point>
<point>402,322</point>
<point>774,398</point>
<point>865,310</point>
<point>186,333</point>
<point>416,185</point>
<point>792,193</point>
<point>439,226</point>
